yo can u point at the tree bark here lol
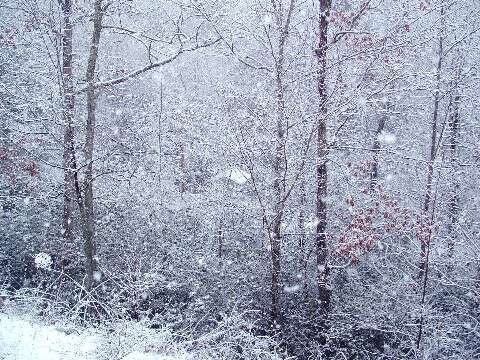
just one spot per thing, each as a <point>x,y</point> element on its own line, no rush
<point>183,165</point>
<point>453,201</point>
<point>278,187</point>
<point>303,238</point>
<point>426,226</point>
<point>68,111</point>
<point>89,221</point>
<point>375,151</point>
<point>279,165</point>
<point>427,218</point>
<point>321,166</point>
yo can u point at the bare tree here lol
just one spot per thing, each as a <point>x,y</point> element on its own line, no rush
<point>89,217</point>
<point>283,24</point>
<point>68,113</point>
<point>453,127</point>
<point>427,216</point>
<point>321,164</point>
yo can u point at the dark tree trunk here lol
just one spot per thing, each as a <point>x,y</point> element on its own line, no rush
<point>89,220</point>
<point>302,238</point>
<point>279,164</point>
<point>68,111</point>
<point>427,216</point>
<point>426,226</point>
<point>278,187</point>
<point>321,165</point>
<point>453,201</point>
<point>375,151</point>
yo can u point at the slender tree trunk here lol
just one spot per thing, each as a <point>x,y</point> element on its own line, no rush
<point>433,150</point>
<point>453,201</point>
<point>321,166</point>
<point>375,151</point>
<point>89,221</point>
<point>279,165</point>
<point>160,147</point>
<point>302,240</point>
<point>278,187</point>
<point>220,239</point>
<point>68,111</point>
<point>427,218</point>
<point>183,166</point>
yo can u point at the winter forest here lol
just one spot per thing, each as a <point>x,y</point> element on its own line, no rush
<point>239,179</point>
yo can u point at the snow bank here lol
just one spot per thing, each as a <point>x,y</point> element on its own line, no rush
<point>22,339</point>
<point>25,337</point>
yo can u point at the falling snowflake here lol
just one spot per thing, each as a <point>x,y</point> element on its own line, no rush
<point>267,19</point>
<point>387,138</point>
<point>238,176</point>
<point>291,289</point>
<point>43,261</point>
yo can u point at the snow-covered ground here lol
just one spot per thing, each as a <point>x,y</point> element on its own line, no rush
<point>22,339</point>
<point>25,335</point>
<point>25,339</point>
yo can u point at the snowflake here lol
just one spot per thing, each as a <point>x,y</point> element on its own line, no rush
<point>238,176</point>
<point>267,19</point>
<point>291,289</point>
<point>43,261</point>
<point>387,138</point>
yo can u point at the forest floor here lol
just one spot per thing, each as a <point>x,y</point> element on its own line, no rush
<point>23,337</point>
<point>34,329</point>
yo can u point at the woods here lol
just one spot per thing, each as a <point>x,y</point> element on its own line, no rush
<point>268,179</point>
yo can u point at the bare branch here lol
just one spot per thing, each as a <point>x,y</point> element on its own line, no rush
<point>151,66</point>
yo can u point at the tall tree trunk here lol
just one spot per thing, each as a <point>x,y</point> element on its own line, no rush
<point>89,221</point>
<point>427,218</point>
<point>453,201</point>
<point>68,111</point>
<point>321,165</point>
<point>160,146</point>
<point>278,187</point>
<point>424,243</point>
<point>279,165</point>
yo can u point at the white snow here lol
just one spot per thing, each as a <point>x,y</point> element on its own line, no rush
<point>97,275</point>
<point>136,355</point>
<point>267,19</point>
<point>43,261</point>
<point>238,176</point>
<point>21,339</point>
<point>291,289</point>
<point>311,226</point>
<point>387,138</point>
